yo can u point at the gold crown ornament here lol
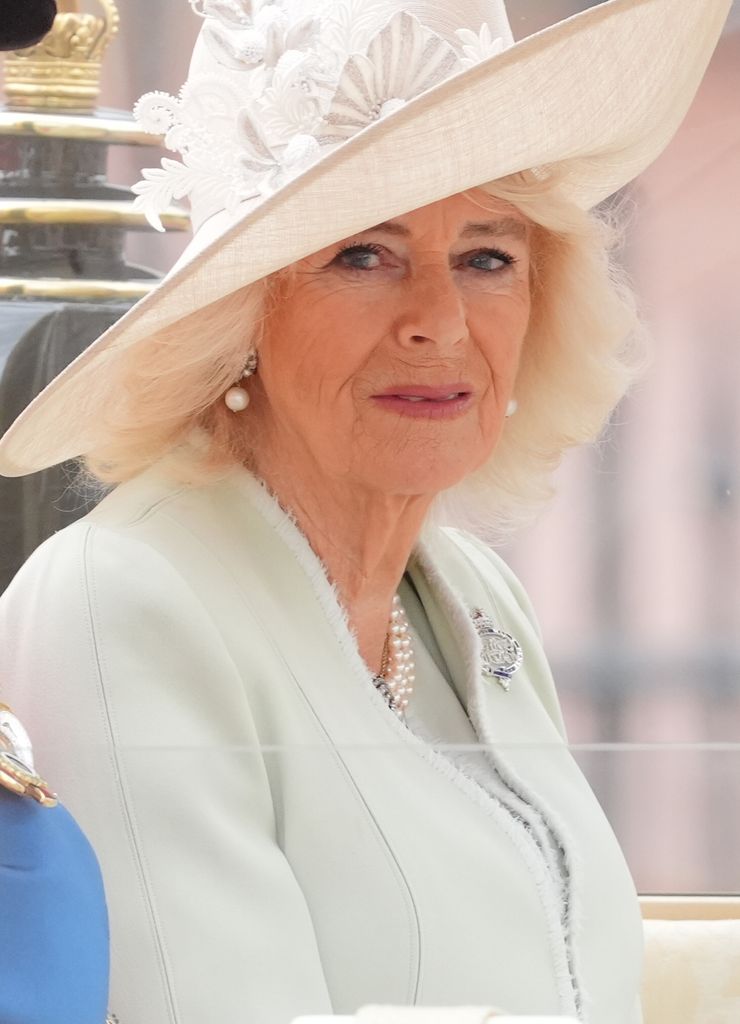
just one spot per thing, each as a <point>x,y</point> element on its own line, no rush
<point>62,71</point>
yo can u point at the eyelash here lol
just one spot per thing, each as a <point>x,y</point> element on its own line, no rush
<point>361,247</point>
<point>507,259</point>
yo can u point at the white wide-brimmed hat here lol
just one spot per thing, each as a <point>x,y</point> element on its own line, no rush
<point>304,122</point>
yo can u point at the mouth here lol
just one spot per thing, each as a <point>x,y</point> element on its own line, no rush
<point>420,398</point>
<point>444,402</point>
<point>425,393</point>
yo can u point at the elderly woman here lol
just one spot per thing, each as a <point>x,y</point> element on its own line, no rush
<point>249,669</point>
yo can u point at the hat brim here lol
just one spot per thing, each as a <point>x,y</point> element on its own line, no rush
<point>600,95</point>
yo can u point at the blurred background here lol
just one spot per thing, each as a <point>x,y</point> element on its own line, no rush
<point>634,569</point>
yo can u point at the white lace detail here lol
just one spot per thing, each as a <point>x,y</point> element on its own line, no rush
<point>285,90</point>
<point>402,61</point>
<point>479,47</point>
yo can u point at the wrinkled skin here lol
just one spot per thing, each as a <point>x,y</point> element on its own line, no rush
<point>430,306</point>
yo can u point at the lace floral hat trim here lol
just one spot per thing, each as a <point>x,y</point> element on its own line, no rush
<point>277,89</point>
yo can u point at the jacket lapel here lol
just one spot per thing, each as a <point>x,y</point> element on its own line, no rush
<point>521,730</point>
<point>451,590</point>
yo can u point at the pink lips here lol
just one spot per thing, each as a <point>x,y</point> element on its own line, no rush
<point>445,401</point>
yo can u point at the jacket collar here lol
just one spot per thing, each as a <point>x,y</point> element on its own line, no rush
<point>450,586</point>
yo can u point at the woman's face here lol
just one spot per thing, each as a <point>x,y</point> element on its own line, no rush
<point>391,356</point>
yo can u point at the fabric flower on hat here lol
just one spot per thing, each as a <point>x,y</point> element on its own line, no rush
<point>236,12</point>
<point>199,123</point>
<point>241,38</point>
<point>175,180</point>
<point>348,26</point>
<point>297,96</point>
<point>291,87</point>
<point>268,168</point>
<point>403,60</point>
<point>478,47</point>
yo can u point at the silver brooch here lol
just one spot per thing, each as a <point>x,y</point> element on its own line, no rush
<point>501,653</point>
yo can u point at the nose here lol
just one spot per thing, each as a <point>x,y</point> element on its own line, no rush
<point>434,311</point>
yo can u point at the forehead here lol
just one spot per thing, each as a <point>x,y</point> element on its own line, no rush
<point>464,215</point>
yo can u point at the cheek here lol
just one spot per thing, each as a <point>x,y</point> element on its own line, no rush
<point>314,350</point>
<point>500,336</point>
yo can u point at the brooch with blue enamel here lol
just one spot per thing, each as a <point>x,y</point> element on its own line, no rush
<point>501,653</point>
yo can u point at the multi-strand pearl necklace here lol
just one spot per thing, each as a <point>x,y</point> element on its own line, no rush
<point>396,677</point>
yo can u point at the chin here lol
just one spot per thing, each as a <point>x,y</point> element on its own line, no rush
<point>424,466</point>
<point>416,477</point>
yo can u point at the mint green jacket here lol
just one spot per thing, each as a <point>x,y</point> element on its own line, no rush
<point>274,840</point>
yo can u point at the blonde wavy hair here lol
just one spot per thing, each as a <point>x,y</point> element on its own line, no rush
<point>583,348</point>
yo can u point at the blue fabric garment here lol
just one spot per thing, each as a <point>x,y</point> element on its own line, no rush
<point>54,956</point>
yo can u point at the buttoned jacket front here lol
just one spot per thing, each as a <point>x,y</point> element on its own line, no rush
<point>274,840</point>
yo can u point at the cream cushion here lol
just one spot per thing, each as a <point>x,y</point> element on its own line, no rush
<point>692,972</point>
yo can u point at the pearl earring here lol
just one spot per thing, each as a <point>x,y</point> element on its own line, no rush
<point>512,407</point>
<point>237,398</point>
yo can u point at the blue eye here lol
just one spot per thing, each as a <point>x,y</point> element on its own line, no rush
<point>357,256</point>
<point>360,255</point>
<point>502,259</point>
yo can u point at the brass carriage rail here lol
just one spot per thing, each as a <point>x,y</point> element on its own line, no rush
<point>75,290</point>
<point>111,212</point>
<point>111,130</point>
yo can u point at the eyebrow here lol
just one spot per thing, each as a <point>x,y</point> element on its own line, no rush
<point>509,227</point>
